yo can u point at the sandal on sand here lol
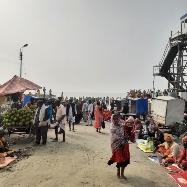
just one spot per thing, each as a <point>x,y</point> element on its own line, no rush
<point>123,177</point>
<point>55,140</point>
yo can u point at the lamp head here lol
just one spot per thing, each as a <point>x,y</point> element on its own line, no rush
<point>25,45</point>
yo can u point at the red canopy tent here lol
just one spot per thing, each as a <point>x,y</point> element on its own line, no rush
<point>17,84</point>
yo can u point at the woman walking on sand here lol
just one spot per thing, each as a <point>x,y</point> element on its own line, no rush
<point>98,117</point>
<point>119,146</point>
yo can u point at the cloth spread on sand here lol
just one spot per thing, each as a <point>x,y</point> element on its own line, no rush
<point>154,159</point>
<point>7,161</point>
<point>144,148</point>
<point>179,179</point>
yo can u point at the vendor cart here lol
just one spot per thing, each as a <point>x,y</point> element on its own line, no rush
<point>29,129</point>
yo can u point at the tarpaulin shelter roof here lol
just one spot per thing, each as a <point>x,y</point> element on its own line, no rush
<point>17,84</point>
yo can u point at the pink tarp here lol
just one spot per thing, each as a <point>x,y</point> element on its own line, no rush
<point>8,160</point>
<point>17,84</point>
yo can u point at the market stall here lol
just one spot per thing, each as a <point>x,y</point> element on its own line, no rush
<point>18,120</point>
<point>17,85</point>
<point>22,119</point>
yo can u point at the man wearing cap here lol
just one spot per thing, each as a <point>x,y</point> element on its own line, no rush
<point>182,161</point>
<point>169,150</point>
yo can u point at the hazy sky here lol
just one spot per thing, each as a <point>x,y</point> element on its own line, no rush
<point>87,45</point>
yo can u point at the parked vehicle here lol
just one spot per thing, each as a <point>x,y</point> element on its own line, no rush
<point>166,110</point>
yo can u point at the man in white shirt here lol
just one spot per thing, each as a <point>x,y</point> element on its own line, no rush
<point>90,110</point>
<point>60,119</point>
<point>85,110</point>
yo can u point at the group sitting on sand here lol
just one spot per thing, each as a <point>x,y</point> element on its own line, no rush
<point>121,132</point>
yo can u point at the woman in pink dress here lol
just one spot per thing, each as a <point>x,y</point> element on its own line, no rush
<point>98,117</point>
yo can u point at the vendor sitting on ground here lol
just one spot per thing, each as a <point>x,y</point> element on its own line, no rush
<point>169,150</point>
<point>157,135</point>
<point>146,131</point>
<point>182,161</point>
<point>3,143</point>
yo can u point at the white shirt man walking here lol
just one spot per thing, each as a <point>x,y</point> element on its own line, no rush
<point>90,110</point>
<point>85,110</point>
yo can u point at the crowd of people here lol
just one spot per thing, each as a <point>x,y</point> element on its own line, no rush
<point>150,94</point>
<point>140,94</point>
<point>72,111</point>
<point>91,111</point>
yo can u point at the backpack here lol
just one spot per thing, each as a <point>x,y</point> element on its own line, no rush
<point>47,114</point>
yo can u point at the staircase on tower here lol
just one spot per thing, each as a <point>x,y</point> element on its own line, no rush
<point>173,64</point>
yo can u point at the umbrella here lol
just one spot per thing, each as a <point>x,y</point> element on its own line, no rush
<point>17,84</point>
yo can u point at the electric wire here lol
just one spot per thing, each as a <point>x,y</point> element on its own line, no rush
<point>8,50</point>
<point>9,61</point>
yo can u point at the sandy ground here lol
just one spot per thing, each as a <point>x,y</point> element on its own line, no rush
<point>81,162</point>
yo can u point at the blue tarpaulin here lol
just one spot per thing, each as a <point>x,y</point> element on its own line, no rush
<point>141,106</point>
<point>27,99</point>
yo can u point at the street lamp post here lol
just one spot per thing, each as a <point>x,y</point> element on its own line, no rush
<point>21,55</point>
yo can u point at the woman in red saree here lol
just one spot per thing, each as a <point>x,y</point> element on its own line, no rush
<point>119,146</point>
<point>98,117</point>
<point>129,128</point>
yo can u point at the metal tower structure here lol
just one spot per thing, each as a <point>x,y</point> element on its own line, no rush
<point>173,64</point>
